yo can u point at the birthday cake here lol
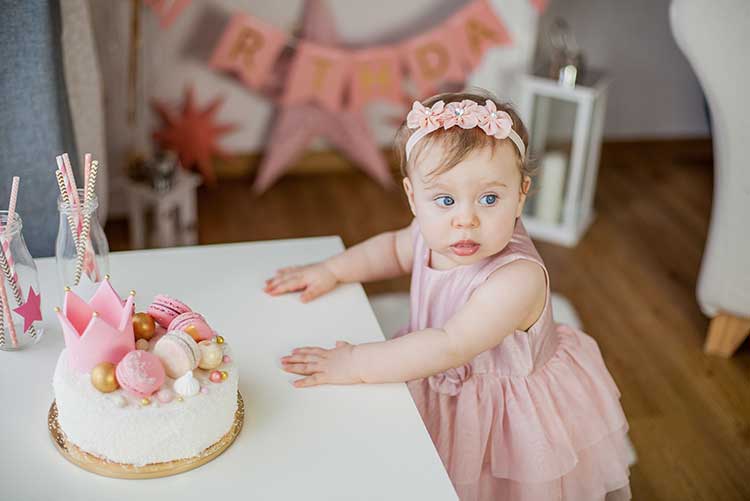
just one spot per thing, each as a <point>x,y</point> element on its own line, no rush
<point>142,389</point>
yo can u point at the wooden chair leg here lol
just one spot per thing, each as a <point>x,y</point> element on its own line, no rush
<point>725,334</point>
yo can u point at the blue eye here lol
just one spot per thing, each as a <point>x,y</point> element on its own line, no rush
<point>488,199</point>
<point>444,201</point>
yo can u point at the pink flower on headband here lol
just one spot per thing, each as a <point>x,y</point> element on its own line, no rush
<point>421,117</point>
<point>465,114</point>
<point>495,123</point>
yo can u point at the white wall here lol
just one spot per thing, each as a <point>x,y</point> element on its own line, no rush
<point>654,93</point>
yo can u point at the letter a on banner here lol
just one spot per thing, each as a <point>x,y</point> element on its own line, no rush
<point>477,28</point>
<point>249,48</point>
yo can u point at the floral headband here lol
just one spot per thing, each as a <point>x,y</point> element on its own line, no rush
<point>466,114</point>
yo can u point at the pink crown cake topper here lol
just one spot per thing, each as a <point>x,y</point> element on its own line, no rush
<point>98,331</point>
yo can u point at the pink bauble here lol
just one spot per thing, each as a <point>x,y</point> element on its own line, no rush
<point>215,377</point>
<point>227,359</point>
<point>140,373</point>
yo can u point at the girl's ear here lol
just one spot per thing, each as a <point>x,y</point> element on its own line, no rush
<point>525,187</point>
<point>409,195</point>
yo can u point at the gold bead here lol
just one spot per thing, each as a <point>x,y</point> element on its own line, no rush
<point>67,289</point>
<point>224,375</point>
<point>219,340</point>
<point>103,377</point>
<point>180,399</point>
<point>143,326</point>
<point>57,309</point>
<point>145,401</point>
<point>132,292</point>
<point>106,277</point>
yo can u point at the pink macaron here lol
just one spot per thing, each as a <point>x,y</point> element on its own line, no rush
<point>140,373</point>
<point>194,324</point>
<point>164,309</point>
<point>178,352</point>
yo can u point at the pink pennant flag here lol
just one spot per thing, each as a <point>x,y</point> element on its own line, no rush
<point>433,59</point>
<point>540,5</point>
<point>318,74</point>
<point>476,28</point>
<point>248,47</point>
<point>376,74</point>
<point>167,10</point>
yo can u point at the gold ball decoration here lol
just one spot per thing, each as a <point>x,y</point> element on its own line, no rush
<point>103,377</point>
<point>224,375</point>
<point>144,326</point>
<point>145,401</point>
<point>219,340</point>
<point>212,355</point>
<point>193,332</point>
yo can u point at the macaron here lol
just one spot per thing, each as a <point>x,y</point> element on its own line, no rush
<point>164,309</point>
<point>140,373</point>
<point>194,324</point>
<point>178,352</point>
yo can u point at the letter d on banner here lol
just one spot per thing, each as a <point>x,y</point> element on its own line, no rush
<point>433,59</point>
<point>248,48</point>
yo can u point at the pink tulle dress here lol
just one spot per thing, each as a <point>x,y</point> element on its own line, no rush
<point>536,418</point>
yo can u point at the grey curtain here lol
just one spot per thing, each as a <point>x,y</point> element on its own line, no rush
<point>35,122</point>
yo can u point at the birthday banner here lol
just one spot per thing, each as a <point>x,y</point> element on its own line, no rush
<point>350,79</point>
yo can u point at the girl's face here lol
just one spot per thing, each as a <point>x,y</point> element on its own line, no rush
<point>468,212</point>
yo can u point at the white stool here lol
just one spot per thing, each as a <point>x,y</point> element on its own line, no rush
<point>175,220</point>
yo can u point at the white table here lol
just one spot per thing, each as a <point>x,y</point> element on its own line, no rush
<point>328,443</point>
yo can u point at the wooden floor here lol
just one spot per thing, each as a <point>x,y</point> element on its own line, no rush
<point>632,280</point>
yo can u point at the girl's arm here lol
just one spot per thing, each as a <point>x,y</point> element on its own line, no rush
<point>383,256</point>
<point>512,298</point>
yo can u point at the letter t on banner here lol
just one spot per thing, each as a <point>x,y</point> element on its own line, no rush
<point>248,47</point>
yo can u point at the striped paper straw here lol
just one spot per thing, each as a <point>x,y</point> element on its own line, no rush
<point>6,231</point>
<point>86,171</point>
<point>4,297</point>
<point>86,223</point>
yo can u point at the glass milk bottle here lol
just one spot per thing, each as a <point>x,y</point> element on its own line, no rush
<point>80,266</point>
<point>20,301</point>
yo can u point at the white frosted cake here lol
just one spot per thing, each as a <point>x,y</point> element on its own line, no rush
<point>144,389</point>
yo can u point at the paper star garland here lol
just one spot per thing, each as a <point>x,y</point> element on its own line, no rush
<point>31,310</point>
<point>193,134</point>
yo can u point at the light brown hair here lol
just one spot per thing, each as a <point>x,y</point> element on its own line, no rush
<point>458,142</point>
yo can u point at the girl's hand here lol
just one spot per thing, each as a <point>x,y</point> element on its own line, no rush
<point>321,366</point>
<point>315,279</point>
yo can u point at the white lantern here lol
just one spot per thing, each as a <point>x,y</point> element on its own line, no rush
<point>565,132</point>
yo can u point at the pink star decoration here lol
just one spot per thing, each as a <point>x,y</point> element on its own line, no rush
<point>295,125</point>
<point>31,310</point>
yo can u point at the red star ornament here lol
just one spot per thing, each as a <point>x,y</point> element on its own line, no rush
<point>193,134</point>
<point>297,124</point>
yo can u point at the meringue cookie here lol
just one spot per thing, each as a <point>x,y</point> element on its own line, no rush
<point>187,385</point>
